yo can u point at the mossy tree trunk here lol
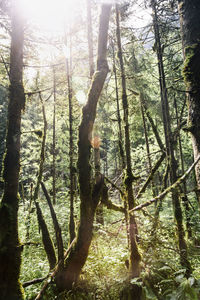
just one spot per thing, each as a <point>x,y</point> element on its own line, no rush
<point>10,249</point>
<point>189,11</point>
<point>89,195</point>
<point>119,120</point>
<point>135,256</point>
<point>54,139</point>
<point>184,196</point>
<point>46,238</point>
<point>96,140</point>
<point>169,145</point>
<point>72,228</point>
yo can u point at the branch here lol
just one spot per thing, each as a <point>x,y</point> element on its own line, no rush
<point>33,281</point>
<point>154,169</point>
<point>110,205</point>
<point>30,244</point>
<point>114,185</point>
<point>169,189</point>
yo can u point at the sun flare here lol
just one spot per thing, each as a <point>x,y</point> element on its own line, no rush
<point>50,14</point>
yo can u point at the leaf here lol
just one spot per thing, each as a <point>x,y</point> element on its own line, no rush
<point>164,268</point>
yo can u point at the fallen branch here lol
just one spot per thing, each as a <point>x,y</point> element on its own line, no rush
<point>30,244</point>
<point>169,189</point>
<point>51,275</point>
<point>33,281</point>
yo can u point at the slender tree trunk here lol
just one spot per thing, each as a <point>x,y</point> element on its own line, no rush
<point>121,150</point>
<point>169,146</point>
<point>57,228</point>
<point>10,248</point>
<point>54,138</point>
<point>89,196</point>
<point>135,256</point>
<point>71,153</point>
<point>189,11</point>
<point>99,211</point>
<point>46,238</point>
<point>90,38</point>
<point>28,219</point>
<point>184,196</point>
<point>147,144</point>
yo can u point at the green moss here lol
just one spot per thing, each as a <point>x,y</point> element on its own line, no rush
<point>191,71</point>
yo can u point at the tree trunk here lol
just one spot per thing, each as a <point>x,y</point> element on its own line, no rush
<point>46,238</point>
<point>72,232</point>
<point>169,146</point>
<point>184,196</point>
<point>10,248</point>
<point>135,256</point>
<point>96,140</point>
<point>56,225</point>
<point>54,138</point>
<point>89,196</point>
<point>189,11</point>
<point>119,121</point>
<point>90,38</point>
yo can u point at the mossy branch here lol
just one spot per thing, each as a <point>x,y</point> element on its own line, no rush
<point>108,203</point>
<point>169,189</point>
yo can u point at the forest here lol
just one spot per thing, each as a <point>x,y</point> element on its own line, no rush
<point>100,149</point>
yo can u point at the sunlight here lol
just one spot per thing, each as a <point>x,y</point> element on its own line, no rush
<point>50,14</point>
<point>81,97</point>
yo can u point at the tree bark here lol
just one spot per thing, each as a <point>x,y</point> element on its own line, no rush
<point>89,196</point>
<point>56,225</point>
<point>46,238</point>
<point>169,146</point>
<point>96,140</point>
<point>135,256</point>
<point>54,138</point>
<point>189,11</point>
<point>72,232</point>
<point>10,248</point>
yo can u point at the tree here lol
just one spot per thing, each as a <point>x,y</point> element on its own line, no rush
<point>135,256</point>
<point>169,145</point>
<point>190,26</point>
<point>10,248</point>
<point>89,195</point>
<point>3,112</point>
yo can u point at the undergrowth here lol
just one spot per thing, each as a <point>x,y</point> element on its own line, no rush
<point>105,275</point>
